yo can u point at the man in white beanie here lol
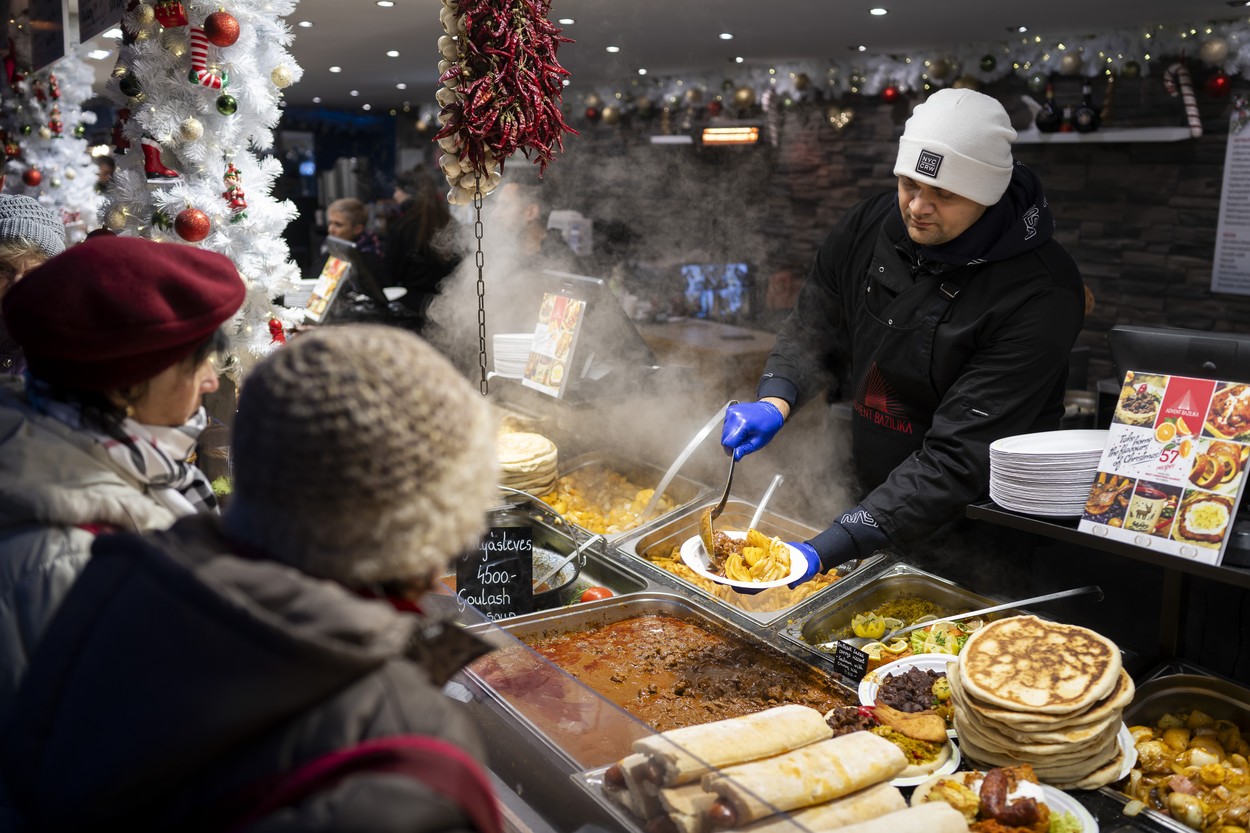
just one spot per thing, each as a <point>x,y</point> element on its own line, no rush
<point>949,308</point>
<point>247,673</point>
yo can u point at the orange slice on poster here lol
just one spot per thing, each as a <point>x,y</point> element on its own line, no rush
<point>1165,431</point>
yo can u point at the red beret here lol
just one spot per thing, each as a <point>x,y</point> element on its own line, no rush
<point>114,311</point>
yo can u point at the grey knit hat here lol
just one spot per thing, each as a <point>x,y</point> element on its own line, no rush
<point>361,455</point>
<point>24,219</point>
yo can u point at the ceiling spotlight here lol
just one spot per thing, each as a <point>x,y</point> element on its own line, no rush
<point>366,107</point>
<point>336,69</point>
<point>614,49</point>
<point>566,21</point>
<point>393,53</point>
<point>642,71</point>
<point>739,59</point>
<point>316,99</point>
<point>877,12</point>
<point>98,54</point>
<point>305,24</point>
<point>386,4</point>
<point>401,86</point>
<point>861,48</point>
<point>354,93</point>
<point>726,36</point>
<point>1019,30</point>
<point>113,34</point>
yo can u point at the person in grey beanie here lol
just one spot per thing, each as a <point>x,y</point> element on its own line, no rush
<point>192,675</point>
<point>951,310</point>
<point>29,235</point>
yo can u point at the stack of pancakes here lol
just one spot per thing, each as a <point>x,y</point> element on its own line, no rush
<point>1028,691</point>
<point>526,462</point>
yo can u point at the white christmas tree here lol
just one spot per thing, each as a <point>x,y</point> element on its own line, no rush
<point>46,156</point>
<point>197,86</point>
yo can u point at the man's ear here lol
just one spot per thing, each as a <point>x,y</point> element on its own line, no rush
<point>531,213</point>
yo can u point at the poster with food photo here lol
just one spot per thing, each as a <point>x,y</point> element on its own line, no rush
<point>1172,472</point>
<point>555,337</point>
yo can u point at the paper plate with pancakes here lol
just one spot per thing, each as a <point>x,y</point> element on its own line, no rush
<point>1030,691</point>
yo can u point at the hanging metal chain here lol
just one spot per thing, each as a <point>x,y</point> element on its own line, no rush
<point>481,283</point>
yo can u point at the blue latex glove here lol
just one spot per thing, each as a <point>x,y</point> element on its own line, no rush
<point>749,426</point>
<point>813,563</point>
<point>855,535</point>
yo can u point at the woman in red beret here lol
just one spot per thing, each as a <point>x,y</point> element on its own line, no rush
<point>120,335</point>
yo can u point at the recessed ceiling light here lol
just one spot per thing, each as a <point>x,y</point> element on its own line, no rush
<point>393,53</point>
<point>726,36</point>
<point>386,4</point>
<point>566,21</point>
<point>738,59</point>
<point>861,48</point>
<point>1018,29</point>
<point>614,49</point>
<point>354,93</point>
<point>98,54</point>
<point>305,24</point>
<point>316,99</point>
<point>642,71</point>
<point>113,34</point>
<point>401,86</point>
<point>336,69</point>
<point>877,12</point>
<point>366,107</point>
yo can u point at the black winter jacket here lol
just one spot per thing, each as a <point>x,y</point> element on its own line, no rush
<point>997,361</point>
<point>177,675</point>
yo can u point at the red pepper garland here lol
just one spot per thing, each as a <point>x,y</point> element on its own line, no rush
<point>501,92</point>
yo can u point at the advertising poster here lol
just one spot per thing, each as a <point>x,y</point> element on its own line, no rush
<point>555,336</point>
<point>326,289</point>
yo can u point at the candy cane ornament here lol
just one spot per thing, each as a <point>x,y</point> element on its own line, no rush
<point>200,73</point>
<point>1178,76</point>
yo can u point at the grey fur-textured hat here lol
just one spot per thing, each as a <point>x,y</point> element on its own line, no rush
<point>22,218</point>
<point>362,456</point>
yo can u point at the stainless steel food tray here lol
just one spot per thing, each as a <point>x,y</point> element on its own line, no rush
<point>816,623</point>
<point>680,526</point>
<point>683,491</point>
<point>1172,693</point>
<point>586,728</point>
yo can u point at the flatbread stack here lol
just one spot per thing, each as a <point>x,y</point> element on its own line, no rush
<point>1028,691</point>
<point>526,462</point>
<point>763,772</point>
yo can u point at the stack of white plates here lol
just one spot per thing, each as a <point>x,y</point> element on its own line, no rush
<point>1046,474</point>
<point>512,351</point>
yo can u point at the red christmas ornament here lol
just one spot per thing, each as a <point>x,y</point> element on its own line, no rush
<point>275,332</point>
<point>32,177</point>
<point>221,29</point>
<point>890,94</point>
<point>592,114</point>
<point>192,225</point>
<point>1218,85</point>
<point>714,107</point>
<point>171,14</point>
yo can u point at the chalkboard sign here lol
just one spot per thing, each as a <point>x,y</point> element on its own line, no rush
<point>850,661</point>
<point>498,579</point>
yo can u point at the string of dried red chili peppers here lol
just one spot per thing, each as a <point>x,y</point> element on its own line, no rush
<point>502,86</point>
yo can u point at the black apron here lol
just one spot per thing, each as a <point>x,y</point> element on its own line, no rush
<point>892,356</point>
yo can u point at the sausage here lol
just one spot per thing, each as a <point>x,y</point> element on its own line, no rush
<point>653,772</point>
<point>722,814</point>
<point>614,776</point>
<point>661,824</point>
<point>1020,813</point>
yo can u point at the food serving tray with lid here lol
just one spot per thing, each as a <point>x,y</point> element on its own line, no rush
<point>766,608</point>
<point>683,491</point>
<point>585,727</point>
<point>816,624</point>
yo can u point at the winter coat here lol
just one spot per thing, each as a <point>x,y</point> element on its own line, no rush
<point>57,487</point>
<point>946,349</point>
<point>178,676</point>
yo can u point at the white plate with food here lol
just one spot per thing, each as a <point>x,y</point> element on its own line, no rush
<point>695,556</point>
<point>1060,803</point>
<point>871,684</point>
<point>949,763</point>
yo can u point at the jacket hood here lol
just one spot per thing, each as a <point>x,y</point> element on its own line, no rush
<point>1017,223</point>
<point>170,653</point>
<point>52,475</point>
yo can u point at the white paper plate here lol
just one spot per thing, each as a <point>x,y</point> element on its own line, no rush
<point>1125,739</point>
<point>925,662</point>
<point>1057,800</point>
<point>1052,443</point>
<point>696,558</point>
<point>952,764</point>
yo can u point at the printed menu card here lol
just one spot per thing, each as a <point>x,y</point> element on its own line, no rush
<point>1173,470</point>
<point>555,336</point>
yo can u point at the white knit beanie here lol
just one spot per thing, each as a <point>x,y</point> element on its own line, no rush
<point>23,219</point>
<point>960,141</point>
<point>361,455</point>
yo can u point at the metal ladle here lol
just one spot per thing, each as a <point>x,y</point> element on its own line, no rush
<point>861,641</point>
<point>705,520</point>
<point>560,565</point>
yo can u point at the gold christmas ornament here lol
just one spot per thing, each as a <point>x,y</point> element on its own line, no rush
<point>744,97</point>
<point>611,114</point>
<point>1070,64</point>
<point>281,77</point>
<point>694,95</point>
<point>191,129</point>
<point>115,220</point>
<point>802,81</point>
<point>1214,51</point>
<point>145,15</point>
<point>940,69</point>
<point>966,82</point>
<point>593,100</point>
<point>45,133</point>
<point>70,173</point>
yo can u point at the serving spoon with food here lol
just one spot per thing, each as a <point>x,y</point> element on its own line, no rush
<point>706,533</point>
<point>861,641</point>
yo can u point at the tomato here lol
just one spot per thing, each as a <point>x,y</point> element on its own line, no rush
<point>593,593</point>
